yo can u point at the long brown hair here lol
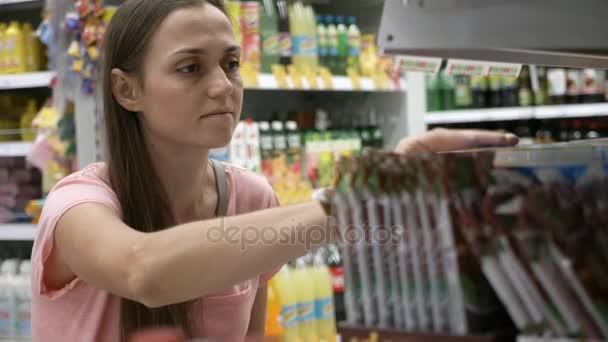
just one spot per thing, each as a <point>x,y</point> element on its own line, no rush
<point>142,197</point>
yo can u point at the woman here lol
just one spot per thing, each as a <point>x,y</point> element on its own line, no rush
<point>126,244</point>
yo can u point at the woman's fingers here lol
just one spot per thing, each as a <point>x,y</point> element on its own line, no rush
<point>442,140</point>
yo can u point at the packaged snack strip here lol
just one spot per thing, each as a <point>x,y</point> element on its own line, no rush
<point>456,310</point>
<point>422,202</point>
<point>566,268</point>
<point>387,186</point>
<point>364,259</point>
<point>403,261</point>
<point>352,281</point>
<point>380,284</point>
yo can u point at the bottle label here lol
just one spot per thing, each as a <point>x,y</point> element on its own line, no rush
<point>289,316</point>
<point>324,308</point>
<point>285,45</point>
<point>306,312</point>
<point>354,45</point>
<point>270,44</point>
<point>25,319</point>
<point>5,317</point>
<point>337,278</point>
<point>304,46</point>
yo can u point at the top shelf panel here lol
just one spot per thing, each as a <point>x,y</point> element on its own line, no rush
<point>27,80</point>
<point>340,83</point>
<point>20,5</point>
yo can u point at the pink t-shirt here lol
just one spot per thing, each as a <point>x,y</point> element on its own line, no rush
<point>82,312</point>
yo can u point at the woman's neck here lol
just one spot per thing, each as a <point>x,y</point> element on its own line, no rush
<point>188,180</point>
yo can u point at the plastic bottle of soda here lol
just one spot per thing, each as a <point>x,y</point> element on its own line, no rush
<point>269,32</point>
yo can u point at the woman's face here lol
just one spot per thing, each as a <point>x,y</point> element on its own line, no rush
<point>191,91</point>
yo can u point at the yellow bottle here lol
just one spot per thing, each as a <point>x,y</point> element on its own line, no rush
<point>324,300</point>
<point>274,330</point>
<point>234,11</point>
<point>15,45</point>
<point>2,49</point>
<point>32,48</point>
<point>28,116</point>
<point>283,284</point>
<point>305,294</point>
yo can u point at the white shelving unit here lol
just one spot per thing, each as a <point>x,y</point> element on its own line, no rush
<point>17,231</point>
<point>340,83</point>
<point>27,80</point>
<point>15,149</point>
<point>517,113</point>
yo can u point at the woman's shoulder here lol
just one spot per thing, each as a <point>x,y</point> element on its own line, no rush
<point>250,189</point>
<point>88,184</point>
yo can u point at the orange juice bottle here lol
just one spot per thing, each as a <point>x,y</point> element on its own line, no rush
<point>274,330</point>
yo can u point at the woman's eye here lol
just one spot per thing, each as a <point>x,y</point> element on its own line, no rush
<point>233,65</point>
<point>188,69</point>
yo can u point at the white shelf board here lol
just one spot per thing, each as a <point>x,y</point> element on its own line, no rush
<point>517,113</point>
<point>17,231</point>
<point>480,115</point>
<point>17,2</point>
<point>340,83</point>
<point>15,149</point>
<point>26,80</point>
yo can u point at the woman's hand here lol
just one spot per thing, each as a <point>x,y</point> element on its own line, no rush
<point>443,140</point>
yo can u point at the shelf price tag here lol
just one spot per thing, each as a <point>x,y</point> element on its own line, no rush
<point>418,64</point>
<point>311,77</point>
<point>280,75</point>
<point>466,67</point>
<point>504,69</point>
<point>296,77</point>
<point>354,78</point>
<point>250,76</point>
<point>326,78</point>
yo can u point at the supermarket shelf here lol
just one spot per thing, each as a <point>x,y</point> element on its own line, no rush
<point>27,80</point>
<point>477,115</point>
<point>340,83</point>
<point>517,113</point>
<point>20,5</point>
<point>17,231</point>
<point>15,149</point>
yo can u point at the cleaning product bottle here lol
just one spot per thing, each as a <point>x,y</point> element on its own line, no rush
<point>332,43</point>
<point>285,42</point>
<point>3,49</point>
<point>15,45</point>
<point>283,284</point>
<point>24,301</point>
<point>269,31</point>
<point>342,45</point>
<point>305,294</point>
<point>322,42</point>
<point>354,44</point>
<point>324,300</point>
<point>312,54</point>
<point>28,116</point>
<point>32,48</point>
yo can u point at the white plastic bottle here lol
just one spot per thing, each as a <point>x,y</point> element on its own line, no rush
<point>24,301</point>
<point>8,300</point>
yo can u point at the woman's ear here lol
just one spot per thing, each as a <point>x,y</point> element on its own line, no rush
<point>126,90</point>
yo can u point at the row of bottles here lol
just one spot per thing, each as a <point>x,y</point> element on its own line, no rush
<point>534,86</point>
<point>16,121</point>
<point>15,299</point>
<point>547,131</point>
<point>20,48</point>
<point>282,32</point>
<point>295,160</point>
<point>301,301</point>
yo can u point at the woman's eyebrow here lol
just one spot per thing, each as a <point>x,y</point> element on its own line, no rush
<point>201,51</point>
